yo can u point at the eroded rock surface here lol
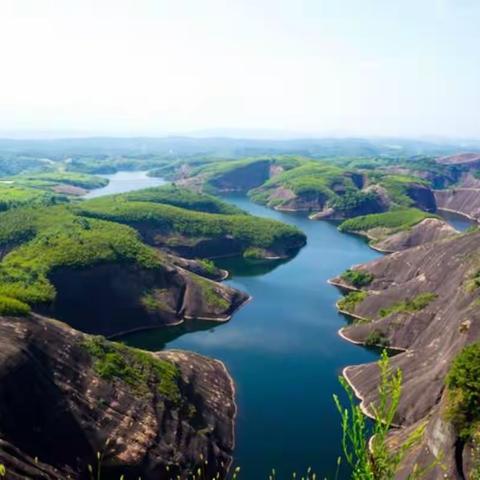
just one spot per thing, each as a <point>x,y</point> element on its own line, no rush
<point>431,335</point>
<point>57,410</point>
<point>465,201</point>
<point>111,299</point>
<point>428,230</point>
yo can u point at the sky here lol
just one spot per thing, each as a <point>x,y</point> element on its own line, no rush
<point>282,67</point>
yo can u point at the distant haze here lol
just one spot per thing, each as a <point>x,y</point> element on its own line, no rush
<point>253,68</point>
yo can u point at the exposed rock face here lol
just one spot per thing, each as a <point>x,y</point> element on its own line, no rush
<point>465,201</point>
<point>291,202</point>
<point>422,197</point>
<point>243,178</point>
<point>428,230</point>
<point>110,299</point>
<point>215,247</point>
<point>54,406</point>
<point>431,336</point>
<point>469,159</point>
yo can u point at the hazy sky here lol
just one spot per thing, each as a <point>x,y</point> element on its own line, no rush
<point>318,67</point>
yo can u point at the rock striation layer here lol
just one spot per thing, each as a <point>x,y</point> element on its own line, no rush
<point>58,408</point>
<point>429,332</point>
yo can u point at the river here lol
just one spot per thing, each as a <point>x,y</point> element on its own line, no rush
<point>282,348</point>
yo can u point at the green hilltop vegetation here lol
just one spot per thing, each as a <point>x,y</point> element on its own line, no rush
<point>40,189</point>
<point>51,179</point>
<point>308,177</point>
<point>35,241</point>
<point>212,174</point>
<point>13,196</point>
<point>183,198</point>
<point>393,221</point>
<point>169,220</point>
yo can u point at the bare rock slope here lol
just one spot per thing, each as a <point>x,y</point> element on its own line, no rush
<point>424,301</point>
<point>465,201</point>
<point>62,400</point>
<point>428,230</point>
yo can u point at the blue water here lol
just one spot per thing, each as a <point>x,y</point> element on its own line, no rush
<point>459,222</point>
<point>121,182</point>
<point>282,350</point>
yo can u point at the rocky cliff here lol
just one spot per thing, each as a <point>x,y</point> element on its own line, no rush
<point>465,201</point>
<point>110,299</point>
<point>64,396</point>
<point>423,301</point>
<point>428,230</point>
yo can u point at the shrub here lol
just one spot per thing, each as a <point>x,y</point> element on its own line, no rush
<point>357,278</point>
<point>376,338</point>
<point>463,384</point>
<point>350,301</point>
<point>13,307</point>
<point>136,368</point>
<point>409,306</point>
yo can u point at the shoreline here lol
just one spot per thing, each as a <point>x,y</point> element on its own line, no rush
<point>461,214</point>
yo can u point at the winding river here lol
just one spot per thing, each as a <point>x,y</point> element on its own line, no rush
<point>282,348</point>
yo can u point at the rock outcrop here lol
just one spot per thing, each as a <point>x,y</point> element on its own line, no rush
<point>422,196</point>
<point>424,301</point>
<point>464,201</point>
<point>469,158</point>
<point>110,299</point>
<point>428,230</point>
<point>58,408</point>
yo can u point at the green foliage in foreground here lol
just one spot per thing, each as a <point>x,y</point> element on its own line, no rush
<point>350,301</point>
<point>183,198</point>
<point>410,305</point>
<point>169,220</point>
<point>138,369</point>
<point>463,383</point>
<point>357,278</point>
<point>370,457</point>
<point>395,220</point>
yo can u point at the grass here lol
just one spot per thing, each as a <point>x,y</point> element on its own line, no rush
<point>410,305</point>
<point>357,278</point>
<point>395,220</point>
<point>136,368</point>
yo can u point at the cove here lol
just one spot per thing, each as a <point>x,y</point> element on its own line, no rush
<point>121,182</point>
<point>282,350</point>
